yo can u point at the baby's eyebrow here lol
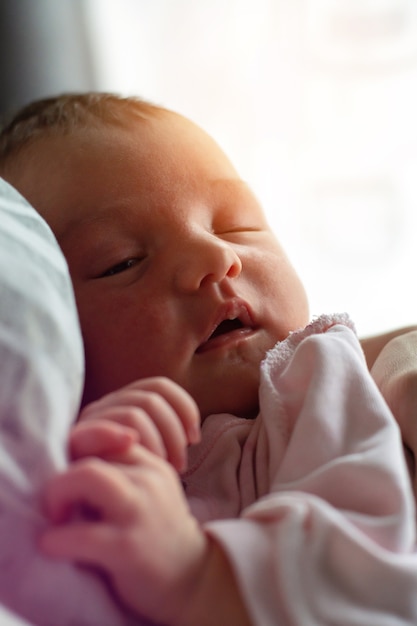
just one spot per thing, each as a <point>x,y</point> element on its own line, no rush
<point>83,245</point>
<point>79,229</point>
<point>94,224</point>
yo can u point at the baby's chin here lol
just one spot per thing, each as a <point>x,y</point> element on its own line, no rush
<point>243,403</point>
<point>233,387</point>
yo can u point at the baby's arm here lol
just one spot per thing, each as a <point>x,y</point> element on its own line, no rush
<point>395,372</point>
<point>373,345</point>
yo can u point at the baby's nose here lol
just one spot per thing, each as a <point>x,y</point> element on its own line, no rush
<point>206,260</point>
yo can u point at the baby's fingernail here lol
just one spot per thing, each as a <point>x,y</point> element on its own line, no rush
<point>134,433</point>
<point>128,436</point>
<point>194,433</point>
<point>180,462</point>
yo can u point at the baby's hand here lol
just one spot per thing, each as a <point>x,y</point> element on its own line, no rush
<point>139,531</point>
<point>156,412</point>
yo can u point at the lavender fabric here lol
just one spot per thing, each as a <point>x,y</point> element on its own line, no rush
<point>41,377</point>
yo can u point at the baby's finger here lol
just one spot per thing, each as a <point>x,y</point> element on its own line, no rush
<point>179,399</point>
<point>148,389</point>
<point>92,484</point>
<point>103,438</point>
<point>82,542</point>
<point>149,413</point>
<point>164,442</point>
<point>157,421</point>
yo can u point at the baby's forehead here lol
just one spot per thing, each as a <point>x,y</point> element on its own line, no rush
<point>89,171</point>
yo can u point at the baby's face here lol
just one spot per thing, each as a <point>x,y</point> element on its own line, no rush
<point>175,270</point>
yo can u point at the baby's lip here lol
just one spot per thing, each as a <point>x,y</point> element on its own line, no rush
<point>233,316</point>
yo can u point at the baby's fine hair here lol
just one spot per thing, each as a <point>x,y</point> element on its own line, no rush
<point>65,113</point>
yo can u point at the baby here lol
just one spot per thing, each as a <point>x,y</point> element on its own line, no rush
<point>182,289</point>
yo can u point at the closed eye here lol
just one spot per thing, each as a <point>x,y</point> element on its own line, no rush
<point>123,266</point>
<point>238,228</point>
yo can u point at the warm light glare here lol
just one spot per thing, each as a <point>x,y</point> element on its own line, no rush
<point>315,101</point>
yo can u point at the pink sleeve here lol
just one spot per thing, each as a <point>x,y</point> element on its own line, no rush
<point>331,540</point>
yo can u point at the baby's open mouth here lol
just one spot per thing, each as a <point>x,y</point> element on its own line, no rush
<point>232,323</point>
<point>226,330</point>
<point>226,326</point>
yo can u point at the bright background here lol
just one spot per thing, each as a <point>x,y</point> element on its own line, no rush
<point>314,100</point>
